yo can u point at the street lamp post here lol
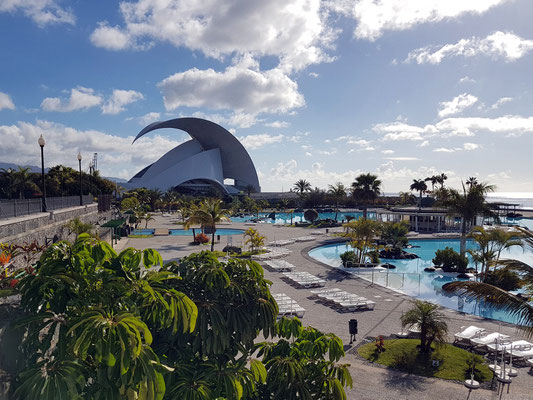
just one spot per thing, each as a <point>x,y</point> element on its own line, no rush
<point>42,143</point>
<point>81,192</point>
<point>11,185</point>
<point>61,176</point>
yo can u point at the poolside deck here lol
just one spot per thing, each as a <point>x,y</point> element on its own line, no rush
<point>369,382</point>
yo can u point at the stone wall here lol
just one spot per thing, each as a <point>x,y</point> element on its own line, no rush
<point>44,226</point>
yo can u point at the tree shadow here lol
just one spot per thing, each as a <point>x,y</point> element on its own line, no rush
<point>404,382</point>
<point>335,276</point>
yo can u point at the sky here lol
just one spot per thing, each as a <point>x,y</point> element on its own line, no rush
<point>315,90</point>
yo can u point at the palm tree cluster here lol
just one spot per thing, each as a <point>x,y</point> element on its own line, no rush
<point>517,306</point>
<point>208,214</point>
<point>431,322</point>
<point>59,180</point>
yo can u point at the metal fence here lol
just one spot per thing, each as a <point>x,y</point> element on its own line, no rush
<point>18,208</point>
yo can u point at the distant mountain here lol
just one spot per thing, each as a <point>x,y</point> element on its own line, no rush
<point>117,180</point>
<point>15,167</point>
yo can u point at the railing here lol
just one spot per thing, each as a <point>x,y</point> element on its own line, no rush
<point>407,282</point>
<point>18,208</point>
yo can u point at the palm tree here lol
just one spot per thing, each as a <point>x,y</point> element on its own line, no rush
<point>406,198</point>
<point>366,188</point>
<point>208,214</point>
<point>441,178</point>
<point>302,186</point>
<point>147,218</point>
<point>516,306</point>
<point>338,192</point>
<point>472,180</point>
<point>420,186</point>
<point>468,204</point>
<point>250,189</point>
<point>434,179</point>
<point>491,243</point>
<point>254,239</point>
<point>433,328</point>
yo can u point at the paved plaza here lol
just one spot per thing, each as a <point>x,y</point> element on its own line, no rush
<point>370,382</point>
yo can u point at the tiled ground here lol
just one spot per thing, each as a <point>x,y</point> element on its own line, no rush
<point>369,382</point>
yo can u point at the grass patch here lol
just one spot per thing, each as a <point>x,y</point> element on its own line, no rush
<point>403,355</point>
<point>140,236</point>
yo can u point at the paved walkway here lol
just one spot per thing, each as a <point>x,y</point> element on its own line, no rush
<point>369,382</point>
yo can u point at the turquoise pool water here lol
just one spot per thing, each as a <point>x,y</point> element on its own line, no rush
<point>143,232</point>
<point>284,218</point>
<point>410,277</point>
<point>219,231</point>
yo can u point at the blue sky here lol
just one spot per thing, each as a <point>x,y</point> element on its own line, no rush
<point>315,90</point>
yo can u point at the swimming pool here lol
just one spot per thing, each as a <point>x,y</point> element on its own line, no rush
<point>219,231</point>
<point>142,232</point>
<point>410,278</point>
<point>285,218</point>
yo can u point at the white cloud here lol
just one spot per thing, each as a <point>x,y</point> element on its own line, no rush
<point>376,16</point>
<point>110,38</point>
<point>81,98</point>
<point>467,79</point>
<point>505,45</point>
<point>117,156</point>
<point>277,124</point>
<point>6,102</point>
<point>387,151</point>
<point>444,150</point>
<point>286,173</point>
<point>510,125</point>
<point>253,142</point>
<point>394,131</point>
<point>402,158</point>
<point>313,75</point>
<point>241,88</point>
<point>42,12</point>
<point>120,98</point>
<point>401,178</point>
<point>470,146</point>
<point>148,118</point>
<point>457,104</point>
<point>237,119</point>
<point>501,101</point>
<point>425,143</point>
<point>296,31</point>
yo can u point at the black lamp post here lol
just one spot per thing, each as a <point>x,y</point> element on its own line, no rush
<point>42,143</point>
<point>81,192</point>
<point>61,175</point>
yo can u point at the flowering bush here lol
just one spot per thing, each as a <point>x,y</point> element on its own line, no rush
<point>201,238</point>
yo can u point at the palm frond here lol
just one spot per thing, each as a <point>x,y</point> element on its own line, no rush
<point>499,298</point>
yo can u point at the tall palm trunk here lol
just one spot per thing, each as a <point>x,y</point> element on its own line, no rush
<point>462,249</point>
<point>420,201</point>
<point>364,212</point>
<point>213,228</point>
<point>336,210</point>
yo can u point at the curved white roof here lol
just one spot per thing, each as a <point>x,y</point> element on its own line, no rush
<point>212,154</point>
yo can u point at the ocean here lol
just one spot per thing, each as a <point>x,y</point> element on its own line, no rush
<point>523,199</point>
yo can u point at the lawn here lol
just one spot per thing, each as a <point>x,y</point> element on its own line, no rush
<point>402,354</point>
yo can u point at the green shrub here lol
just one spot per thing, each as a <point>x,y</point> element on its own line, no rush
<point>450,260</point>
<point>349,258</point>
<point>504,279</point>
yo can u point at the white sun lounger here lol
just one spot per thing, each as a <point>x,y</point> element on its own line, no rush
<point>521,351</point>
<point>353,306</point>
<point>325,291</point>
<point>506,346</point>
<point>468,333</point>
<point>488,339</point>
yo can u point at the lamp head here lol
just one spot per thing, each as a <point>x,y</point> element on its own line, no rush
<point>41,141</point>
<point>79,156</point>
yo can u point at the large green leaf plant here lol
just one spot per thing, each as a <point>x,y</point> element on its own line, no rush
<point>101,325</point>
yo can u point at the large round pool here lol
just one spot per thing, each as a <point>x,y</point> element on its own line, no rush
<point>286,218</point>
<point>219,231</point>
<point>410,278</point>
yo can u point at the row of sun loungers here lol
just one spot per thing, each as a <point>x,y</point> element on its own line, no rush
<point>282,242</point>
<point>344,300</point>
<point>479,339</point>
<point>287,306</point>
<point>304,279</point>
<point>280,265</point>
<point>272,253</point>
